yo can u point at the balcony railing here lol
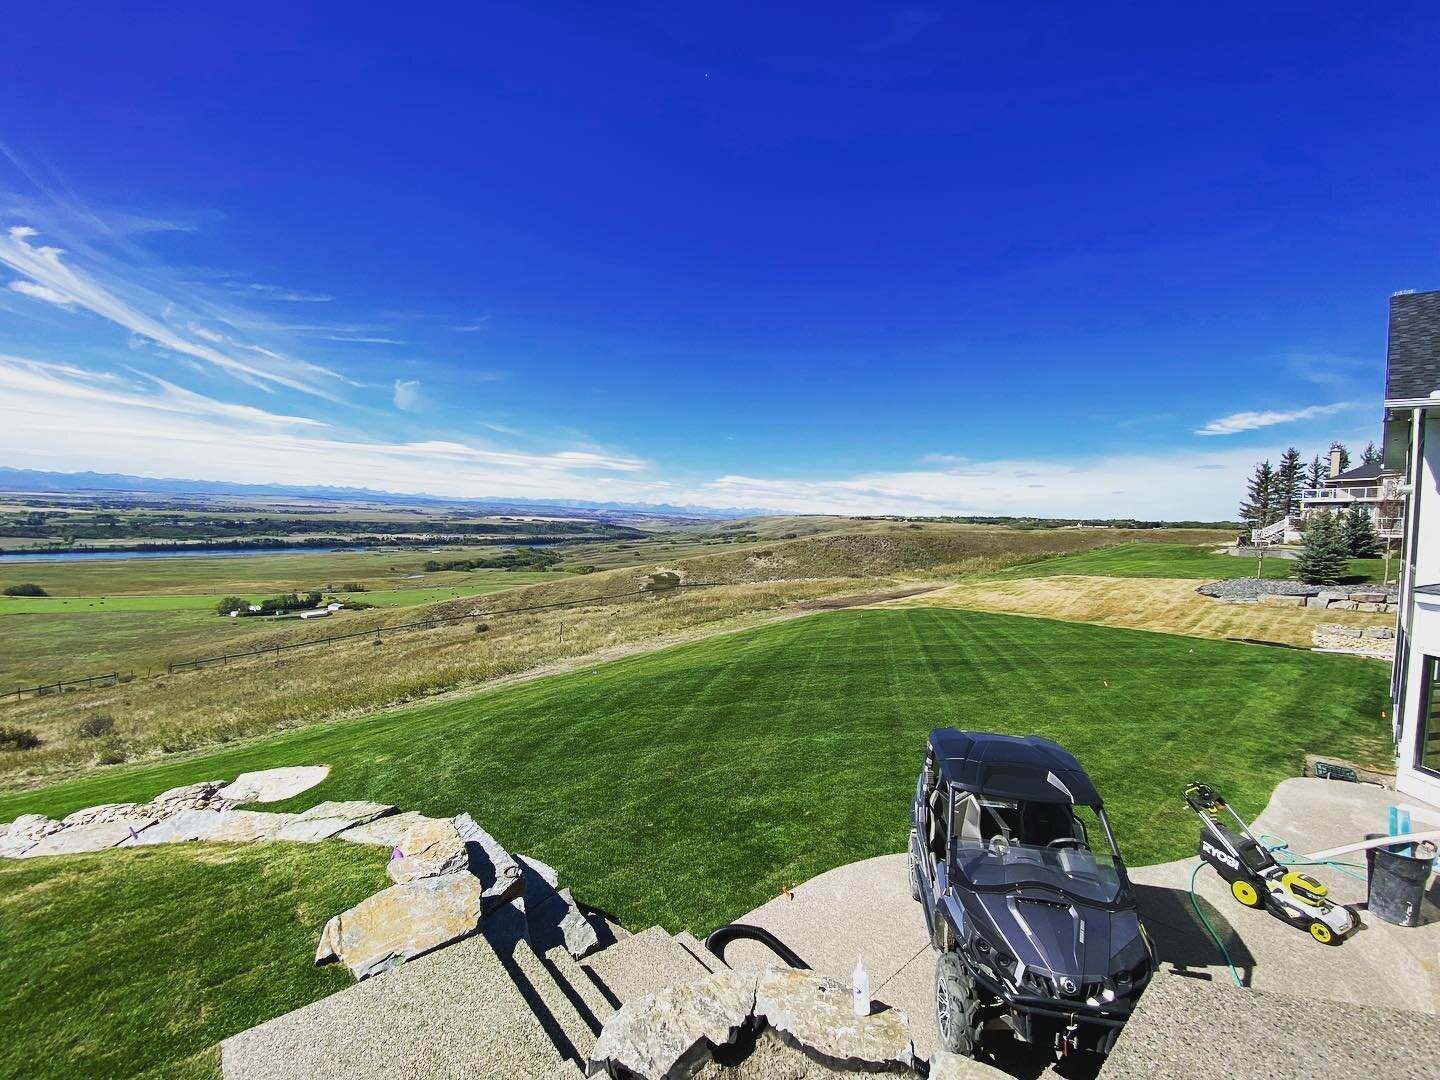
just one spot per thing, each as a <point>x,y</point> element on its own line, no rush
<point>1353,494</point>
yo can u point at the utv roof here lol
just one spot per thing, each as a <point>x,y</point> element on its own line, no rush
<point>1031,769</point>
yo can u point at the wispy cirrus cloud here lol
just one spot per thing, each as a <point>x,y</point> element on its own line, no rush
<point>289,296</point>
<point>1235,423</point>
<point>47,276</point>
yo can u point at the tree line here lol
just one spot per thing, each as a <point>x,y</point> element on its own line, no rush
<point>1274,492</point>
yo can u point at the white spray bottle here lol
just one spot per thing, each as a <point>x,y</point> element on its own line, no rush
<point>860,987</point>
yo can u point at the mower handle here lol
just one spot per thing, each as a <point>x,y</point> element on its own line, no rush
<point>1203,798</point>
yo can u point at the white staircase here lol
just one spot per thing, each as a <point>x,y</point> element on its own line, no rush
<point>1274,533</point>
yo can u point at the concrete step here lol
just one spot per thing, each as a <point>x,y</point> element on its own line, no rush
<point>463,1011</point>
<point>696,948</point>
<point>641,964</point>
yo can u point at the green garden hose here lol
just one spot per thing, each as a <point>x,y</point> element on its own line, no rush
<point>1280,852</point>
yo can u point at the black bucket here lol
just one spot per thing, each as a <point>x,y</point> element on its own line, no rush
<point>1397,881</point>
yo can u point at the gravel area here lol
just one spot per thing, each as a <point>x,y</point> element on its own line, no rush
<point>1244,588</point>
<point>1248,588</point>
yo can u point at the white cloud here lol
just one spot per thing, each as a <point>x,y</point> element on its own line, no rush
<point>63,418</point>
<point>41,292</point>
<point>407,394</point>
<point>276,292</point>
<point>1235,423</point>
<point>1173,486</point>
<point>53,278</point>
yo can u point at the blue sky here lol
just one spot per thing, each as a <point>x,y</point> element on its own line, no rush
<point>995,258</point>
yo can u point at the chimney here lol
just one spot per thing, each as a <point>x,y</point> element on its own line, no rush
<point>1334,462</point>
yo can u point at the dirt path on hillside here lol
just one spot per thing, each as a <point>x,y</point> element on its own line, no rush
<point>836,603</point>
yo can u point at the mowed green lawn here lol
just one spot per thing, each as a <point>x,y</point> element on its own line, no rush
<point>686,786</point>
<point>1178,561</point>
<point>137,963</point>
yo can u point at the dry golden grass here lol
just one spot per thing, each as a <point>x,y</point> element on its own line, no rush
<point>1166,605</point>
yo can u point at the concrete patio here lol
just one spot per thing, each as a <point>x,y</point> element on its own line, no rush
<point>864,909</point>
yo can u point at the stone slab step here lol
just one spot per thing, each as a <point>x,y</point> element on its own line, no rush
<point>696,948</point>
<point>459,1012</point>
<point>641,964</point>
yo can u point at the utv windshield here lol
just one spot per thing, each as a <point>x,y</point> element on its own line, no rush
<point>1047,847</point>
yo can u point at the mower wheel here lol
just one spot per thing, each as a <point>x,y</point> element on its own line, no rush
<point>1323,934</point>
<point>1246,893</point>
<point>956,1008</point>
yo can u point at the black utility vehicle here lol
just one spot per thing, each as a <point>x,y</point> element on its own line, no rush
<point>1025,895</point>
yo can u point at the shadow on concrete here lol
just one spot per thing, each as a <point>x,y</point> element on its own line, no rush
<point>1181,940</point>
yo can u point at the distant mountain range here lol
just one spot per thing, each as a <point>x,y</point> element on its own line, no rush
<point>34,480</point>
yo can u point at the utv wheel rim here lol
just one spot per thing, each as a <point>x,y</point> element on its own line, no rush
<point>1245,893</point>
<point>942,1011</point>
<point>1321,933</point>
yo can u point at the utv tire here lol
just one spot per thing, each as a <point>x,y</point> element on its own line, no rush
<point>956,1008</point>
<point>914,877</point>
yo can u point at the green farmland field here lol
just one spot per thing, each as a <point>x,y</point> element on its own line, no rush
<point>1177,561</point>
<point>245,575</point>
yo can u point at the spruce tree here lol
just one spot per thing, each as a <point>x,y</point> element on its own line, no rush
<point>1359,534</point>
<point>1323,560</point>
<point>1257,509</point>
<point>1289,479</point>
<point>1315,475</point>
<point>1370,455</point>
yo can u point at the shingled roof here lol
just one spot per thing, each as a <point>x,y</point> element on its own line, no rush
<point>1412,368</point>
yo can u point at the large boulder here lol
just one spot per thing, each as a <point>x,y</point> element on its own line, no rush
<point>94,836</point>
<point>273,785</point>
<point>671,1032</point>
<point>243,826</point>
<point>817,1012</point>
<point>402,922</point>
<point>385,831</point>
<point>326,819</point>
<point>429,848</point>
<point>32,827</point>
<point>500,875</point>
<point>551,915</point>
<point>105,812</point>
<point>179,828</point>
<point>201,796</point>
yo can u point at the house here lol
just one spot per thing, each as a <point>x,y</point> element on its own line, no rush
<point>1412,446</point>
<point>1373,488</point>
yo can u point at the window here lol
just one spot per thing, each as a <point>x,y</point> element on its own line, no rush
<point>1427,753</point>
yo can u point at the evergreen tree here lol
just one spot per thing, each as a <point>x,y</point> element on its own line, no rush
<point>1289,479</point>
<point>1359,534</point>
<point>1370,455</point>
<point>1344,454</point>
<point>1323,560</point>
<point>1257,510</point>
<point>1315,475</point>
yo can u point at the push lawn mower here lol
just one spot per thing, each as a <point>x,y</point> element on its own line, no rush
<point>1256,879</point>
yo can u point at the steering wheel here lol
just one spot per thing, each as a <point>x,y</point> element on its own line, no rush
<point>1071,840</point>
<point>999,845</point>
